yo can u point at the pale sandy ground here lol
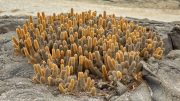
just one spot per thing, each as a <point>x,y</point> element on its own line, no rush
<point>126,8</point>
<point>159,4</point>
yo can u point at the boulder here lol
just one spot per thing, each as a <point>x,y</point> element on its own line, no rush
<point>174,36</point>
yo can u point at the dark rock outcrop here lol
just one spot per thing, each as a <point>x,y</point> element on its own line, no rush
<point>174,36</point>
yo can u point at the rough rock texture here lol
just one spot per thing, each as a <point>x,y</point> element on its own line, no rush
<point>175,36</point>
<point>161,78</point>
<point>142,93</point>
<point>164,80</point>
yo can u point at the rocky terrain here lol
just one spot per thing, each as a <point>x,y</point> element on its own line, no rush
<point>161,78</point>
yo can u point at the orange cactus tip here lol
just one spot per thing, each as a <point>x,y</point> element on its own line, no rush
<point>68,53</point>
<point>93,91</point>
<point>16,47</point>
<point>43,70</point>
<point>68,71</point>
<point>81,60</point>
<point>18,30</point>
<point>58,53</point>
<point>104,71</point>
<point>30,19</point>
<point>47,49</point>
<point>92,83</point>
<point>71,39</point>
<point>53,53</point>
<point>36,44</point>
<point>61,88</point>
<point>88,83</point>
<point>160,52</point>
<point>80,75</point>
<point>62,61</point>
<point>15,41</point>
<point>71,70</point>
<point>38,67</point>
<point>35,68</point>
<point>71,85</point>
<point>50,80</point>
<point>80,50</point>
<point>29,43</point>
<point>149,47</point>
<point>50,57</point>
<point>72,61</point>
<point>119,75</point>
<point>26,51</point>
<point>89,42</point>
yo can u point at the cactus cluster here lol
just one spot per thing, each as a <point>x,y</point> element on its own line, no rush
<point>73,51</point>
